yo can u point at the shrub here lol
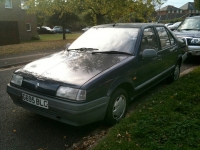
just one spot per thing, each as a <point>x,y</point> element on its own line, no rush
<point>35,37</point>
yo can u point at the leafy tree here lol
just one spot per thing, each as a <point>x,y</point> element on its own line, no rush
<point>100,11</point>
<point>117,10</point>
<point>197,4</point>
<point>47,8</point>
<point>67,20</point>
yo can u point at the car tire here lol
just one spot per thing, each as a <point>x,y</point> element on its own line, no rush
<point>175,74</point>
<point>117,107</point>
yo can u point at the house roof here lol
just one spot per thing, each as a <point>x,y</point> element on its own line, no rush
<point>188,6</point>
<point>169,7</point>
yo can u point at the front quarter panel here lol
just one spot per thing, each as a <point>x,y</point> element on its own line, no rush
<point>106,82</point>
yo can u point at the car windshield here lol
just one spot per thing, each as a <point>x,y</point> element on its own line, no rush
<point>190,24</point>
<point>107,39</point>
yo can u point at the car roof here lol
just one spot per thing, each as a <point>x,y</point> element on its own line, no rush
<point>128,25</point>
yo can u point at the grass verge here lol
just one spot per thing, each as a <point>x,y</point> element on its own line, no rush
<point>169,120</point>
<point>51,37</point>
<point>47,42</point>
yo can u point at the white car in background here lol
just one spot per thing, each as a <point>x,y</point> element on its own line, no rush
<point>86,28</point>
<point>174,26</point>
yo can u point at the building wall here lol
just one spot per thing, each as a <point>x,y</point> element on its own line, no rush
<point>17,14</point>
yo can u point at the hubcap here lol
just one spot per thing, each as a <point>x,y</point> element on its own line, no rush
<point>176,72</point>
<point>119,107</point>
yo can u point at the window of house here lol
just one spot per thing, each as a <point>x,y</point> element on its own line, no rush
<point>23,4</point>
<point>189,11</point>
<point>193,11</point>
<point>197,11</point>
<point>172,11</point>
<point>28,27</point>
<point>169,11</point>
<point>8,3</point>
<point>180,11</point>
<point>177,11</point>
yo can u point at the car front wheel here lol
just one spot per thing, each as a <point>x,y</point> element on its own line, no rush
<point>175,74</point>
<point>116,107</point>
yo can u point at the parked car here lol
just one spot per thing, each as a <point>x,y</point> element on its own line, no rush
<point>174,26</point>
<point>86,28</point>
<point>45,30</point>
<point>189,31</point>
<point>59,29</point>
<point>99,73</point>
<point>168,24</point>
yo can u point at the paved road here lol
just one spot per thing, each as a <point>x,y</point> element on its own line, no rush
<point>21,129</point>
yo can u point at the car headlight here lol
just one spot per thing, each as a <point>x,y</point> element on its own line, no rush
<point>71,93</point>
<point>195,41</point>
<point>16,79</point>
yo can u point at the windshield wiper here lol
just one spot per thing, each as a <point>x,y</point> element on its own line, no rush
<point>112,52</point>
<point>84,49</point>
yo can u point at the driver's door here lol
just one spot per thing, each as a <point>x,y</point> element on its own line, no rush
<point>147,69</point>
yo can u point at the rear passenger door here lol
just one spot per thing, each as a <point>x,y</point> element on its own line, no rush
<point>168,49</point>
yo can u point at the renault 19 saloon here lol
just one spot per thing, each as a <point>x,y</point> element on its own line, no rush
<point>95,77</point>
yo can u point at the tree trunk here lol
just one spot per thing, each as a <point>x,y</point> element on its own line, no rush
<point>64,37</point>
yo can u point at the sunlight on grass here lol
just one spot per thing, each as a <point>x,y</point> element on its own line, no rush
<point>47,42</point>
<point>50,37</point>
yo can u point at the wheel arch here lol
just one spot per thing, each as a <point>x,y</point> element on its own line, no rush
<point>180,60</point>
<point>124,83</point>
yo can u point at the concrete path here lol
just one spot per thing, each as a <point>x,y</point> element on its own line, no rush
<point>7,61</point>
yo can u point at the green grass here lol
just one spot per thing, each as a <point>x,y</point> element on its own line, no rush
<point>168,120</point>
<point>47,42</point>
<point>50,37</point>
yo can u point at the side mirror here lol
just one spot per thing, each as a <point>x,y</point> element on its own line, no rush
<point>149,53</point>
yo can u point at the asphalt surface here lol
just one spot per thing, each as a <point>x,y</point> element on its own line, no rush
<point>21,129</point>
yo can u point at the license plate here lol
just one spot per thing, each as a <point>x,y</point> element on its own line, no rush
<point>35,101</point>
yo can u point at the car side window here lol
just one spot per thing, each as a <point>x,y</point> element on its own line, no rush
<point>166,38</point>
<point>149,40</point>
<point>172,40</point>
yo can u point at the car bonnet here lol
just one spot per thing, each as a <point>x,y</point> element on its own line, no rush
<point>71,67</point>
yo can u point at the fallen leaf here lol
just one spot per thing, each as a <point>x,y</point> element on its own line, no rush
<point>118,135</point>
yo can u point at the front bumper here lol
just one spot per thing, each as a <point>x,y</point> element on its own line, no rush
<point>194,50</point>
<point>76,114</point>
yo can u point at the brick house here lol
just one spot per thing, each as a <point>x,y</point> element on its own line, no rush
<point>15,25</point>
<point>170,12</point>
<point>189,8</point>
